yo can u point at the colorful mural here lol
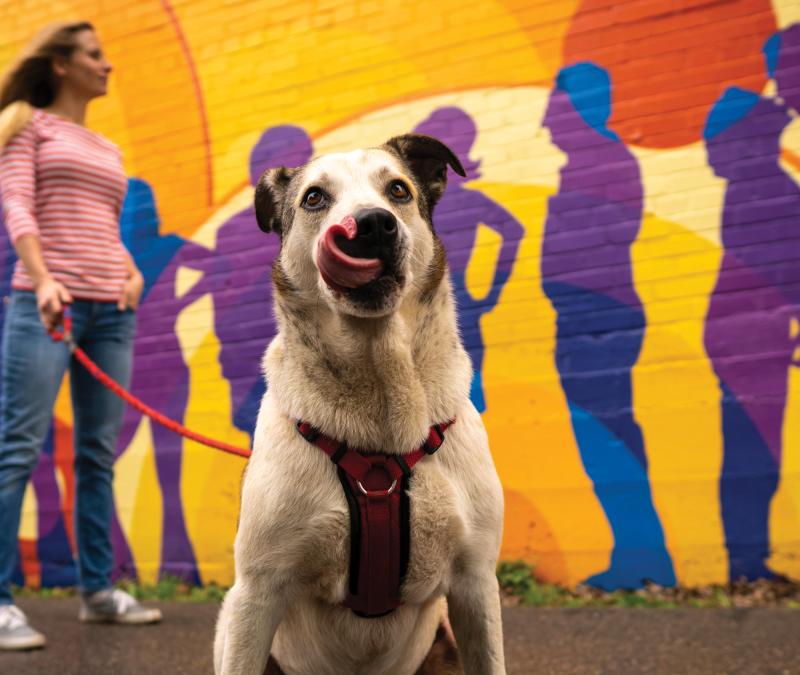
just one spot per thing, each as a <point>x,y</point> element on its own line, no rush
<point>624,251</point>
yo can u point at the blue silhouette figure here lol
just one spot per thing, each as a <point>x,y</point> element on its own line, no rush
<point>586,273</point>
<point>139,224</point>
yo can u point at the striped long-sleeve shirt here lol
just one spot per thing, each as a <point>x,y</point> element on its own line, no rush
<point>65,185</point>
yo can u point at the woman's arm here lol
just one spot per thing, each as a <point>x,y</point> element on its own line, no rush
<point>133,287</point>
<point>30,252</point>
<point>51,295</point>
<point>18,187</point>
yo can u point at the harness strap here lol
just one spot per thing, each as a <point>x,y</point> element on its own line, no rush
<point>375,486</point>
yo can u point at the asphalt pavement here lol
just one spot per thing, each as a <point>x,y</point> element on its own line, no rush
<point>546,641</point>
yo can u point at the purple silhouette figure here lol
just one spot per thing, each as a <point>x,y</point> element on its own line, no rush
<point>8,259</point>
<point>458,215</point>
<point>160,378</point>
<point>237,275</point>
<point>586,273</point>
<point>748,330</point>
<point>243,317</point>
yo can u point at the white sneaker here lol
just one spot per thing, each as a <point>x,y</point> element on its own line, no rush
<point>116,606</point>
<point>15,633</point>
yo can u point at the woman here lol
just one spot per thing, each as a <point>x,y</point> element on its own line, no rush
<point>62,188</point>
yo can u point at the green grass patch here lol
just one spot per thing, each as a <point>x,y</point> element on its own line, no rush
<point>519,586</point>
<point>166,589</point>
<point>171,588</point>
<point>518,582</point>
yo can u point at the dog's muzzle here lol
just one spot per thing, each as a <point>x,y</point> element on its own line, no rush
<point>357,251</point>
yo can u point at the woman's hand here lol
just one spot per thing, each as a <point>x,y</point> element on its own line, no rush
<point>51,296</point>
<point>131,291</point>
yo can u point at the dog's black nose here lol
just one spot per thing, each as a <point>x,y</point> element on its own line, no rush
<point>376,225</point>
<point>376,235</point>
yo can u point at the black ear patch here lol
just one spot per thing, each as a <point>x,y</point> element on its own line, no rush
<point>270,191</point>
<point>428,159</point>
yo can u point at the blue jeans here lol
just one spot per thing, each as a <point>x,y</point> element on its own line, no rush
<point>33,367</point>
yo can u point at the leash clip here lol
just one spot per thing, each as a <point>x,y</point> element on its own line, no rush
<point>65,334</point>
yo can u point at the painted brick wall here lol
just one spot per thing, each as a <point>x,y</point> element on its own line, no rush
<point>624,250</point>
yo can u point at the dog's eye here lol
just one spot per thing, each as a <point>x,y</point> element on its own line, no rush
<point>399,191</point>
<point>314,199</point>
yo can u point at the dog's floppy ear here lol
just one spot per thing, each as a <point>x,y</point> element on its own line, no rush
<point>428,159</point>
<point>270,191</point>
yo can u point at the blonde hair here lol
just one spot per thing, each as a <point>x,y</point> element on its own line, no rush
<point>13,119</point>
<point>30,81</point>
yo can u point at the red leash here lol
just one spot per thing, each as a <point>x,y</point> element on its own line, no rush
<point>65,336</point>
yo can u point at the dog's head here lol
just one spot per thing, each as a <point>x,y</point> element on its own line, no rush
<point>356,227</point>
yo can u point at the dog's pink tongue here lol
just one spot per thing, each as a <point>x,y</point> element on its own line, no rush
<point>339,270</point>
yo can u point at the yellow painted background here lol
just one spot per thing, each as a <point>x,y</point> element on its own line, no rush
<point>197,82</point>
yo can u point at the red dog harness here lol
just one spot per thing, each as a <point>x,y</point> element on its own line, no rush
<point>376,488</point>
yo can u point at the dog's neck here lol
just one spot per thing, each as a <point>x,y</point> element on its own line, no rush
<point>376,383</point>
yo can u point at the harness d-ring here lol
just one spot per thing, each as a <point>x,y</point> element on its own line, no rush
<point>377,493</point>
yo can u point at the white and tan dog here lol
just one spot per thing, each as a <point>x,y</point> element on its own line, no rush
<point>368,353</point>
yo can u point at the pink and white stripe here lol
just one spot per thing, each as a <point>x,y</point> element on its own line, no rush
<point>65,184</point>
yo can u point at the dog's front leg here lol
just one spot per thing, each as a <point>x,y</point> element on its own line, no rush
<point>474,609</point>
<point>248,621</point>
